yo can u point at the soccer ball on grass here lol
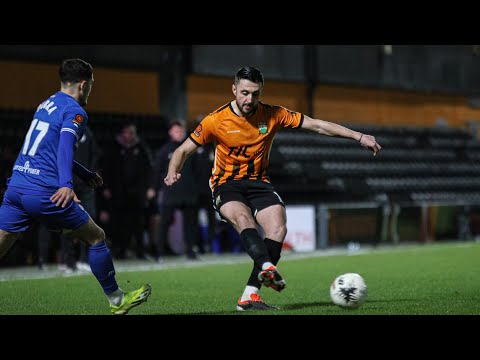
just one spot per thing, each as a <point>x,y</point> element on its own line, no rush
<point>348,291</point>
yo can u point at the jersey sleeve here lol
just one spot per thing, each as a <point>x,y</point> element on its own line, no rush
<point>289,119</point>
<point>74,121</point>
<point>204,132</point>
<point>65,159</point>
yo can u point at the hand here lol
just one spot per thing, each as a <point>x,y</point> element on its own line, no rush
<point>63,196</point>
<point>95,182</point>
<point>369,142</point>
<point>171,179</point>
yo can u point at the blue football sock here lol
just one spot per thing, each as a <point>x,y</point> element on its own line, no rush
<point>102,266</point>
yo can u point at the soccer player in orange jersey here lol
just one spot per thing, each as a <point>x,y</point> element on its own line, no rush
<point>242,132</point>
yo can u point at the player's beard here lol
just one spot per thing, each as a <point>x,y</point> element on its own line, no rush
<point>249,112</point>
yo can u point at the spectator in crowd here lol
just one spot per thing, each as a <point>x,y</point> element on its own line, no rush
<point>48,240</point>
<point>183,197</point>
<point>127,170</point>
<point>203,170</point>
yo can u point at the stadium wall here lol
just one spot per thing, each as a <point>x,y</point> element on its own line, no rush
<point>115,91</point>
<point>340,103</point>
<point>137,92</point>
<point>390,107</point>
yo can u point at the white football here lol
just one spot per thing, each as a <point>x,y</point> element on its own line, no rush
<point>348,291</point>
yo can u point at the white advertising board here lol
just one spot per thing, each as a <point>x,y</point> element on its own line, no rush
<point>301,228</point>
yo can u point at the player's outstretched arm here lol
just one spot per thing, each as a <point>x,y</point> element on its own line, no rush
<point>177,161</point>
<point>332,129</point>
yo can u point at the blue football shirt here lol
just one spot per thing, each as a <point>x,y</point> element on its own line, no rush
<point>36,167</point>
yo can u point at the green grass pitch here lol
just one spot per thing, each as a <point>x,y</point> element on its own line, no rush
<point>438,279</point>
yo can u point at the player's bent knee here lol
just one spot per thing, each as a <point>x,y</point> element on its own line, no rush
<point>277,233</point>
<point>244,221</point>
<point>90,233</point>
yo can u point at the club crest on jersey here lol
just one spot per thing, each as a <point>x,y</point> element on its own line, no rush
<point>198,130</point>
<point>78,120</point>
<point>262,128</point>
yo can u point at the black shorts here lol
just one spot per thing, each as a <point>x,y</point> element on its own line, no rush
<point>256,194</point>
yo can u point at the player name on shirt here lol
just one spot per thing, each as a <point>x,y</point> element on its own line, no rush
<point>47,105</point>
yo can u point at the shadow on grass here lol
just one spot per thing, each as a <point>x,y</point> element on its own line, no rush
<point>279,311</point>
<point>233,312</point>
<point>296,306</point>
<point>306,305</point>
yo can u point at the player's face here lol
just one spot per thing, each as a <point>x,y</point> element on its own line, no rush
<point>247,95</point>
<point>85,92</point>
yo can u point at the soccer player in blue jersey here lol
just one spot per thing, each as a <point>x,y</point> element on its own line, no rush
<point>41,188</point>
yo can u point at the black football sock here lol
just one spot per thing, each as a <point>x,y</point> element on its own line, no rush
<point>255,247</point>
<point>274,249</point>
<point>253,280</point>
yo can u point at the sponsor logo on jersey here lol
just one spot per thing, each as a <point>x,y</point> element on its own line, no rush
<point>26,169</point>
<point>78,120</point>
<point>198,130</point>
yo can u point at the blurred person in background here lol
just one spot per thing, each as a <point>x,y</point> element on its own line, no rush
<point>48,241</point>
<point>127,170</point>
<point>183,197</point>
<point>203,170</point>
<point>242,132</point>
<point>41,186</point>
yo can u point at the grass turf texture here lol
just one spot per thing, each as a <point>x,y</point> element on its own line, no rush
<point>438,279</point>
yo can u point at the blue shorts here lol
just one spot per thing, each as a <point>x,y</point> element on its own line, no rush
<point>18,211</point>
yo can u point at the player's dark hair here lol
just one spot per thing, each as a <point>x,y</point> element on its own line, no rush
<point>249,73</point>
<point>74,71</point>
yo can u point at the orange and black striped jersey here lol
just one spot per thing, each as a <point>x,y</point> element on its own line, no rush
<point>242,146</point>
